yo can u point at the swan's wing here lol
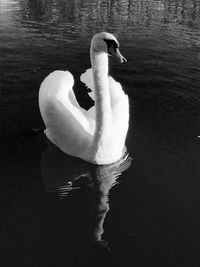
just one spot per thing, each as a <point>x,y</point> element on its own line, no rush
<point>119,106</point>
<point>120,110</point>
<point>119,102</point>
<point>115,87</point>
<point>87,79</point>
<point>67,123</point>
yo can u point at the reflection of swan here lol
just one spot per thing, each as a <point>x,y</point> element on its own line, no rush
<point>104,178</point>
<point>61,174</point>
<point>97,135</point>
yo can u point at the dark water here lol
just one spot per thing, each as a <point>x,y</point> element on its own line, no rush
<point>60,211</point>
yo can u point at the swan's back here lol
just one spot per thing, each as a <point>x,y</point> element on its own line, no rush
<point>66,123</point>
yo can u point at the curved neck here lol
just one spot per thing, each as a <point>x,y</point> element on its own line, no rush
<point>99,62</point>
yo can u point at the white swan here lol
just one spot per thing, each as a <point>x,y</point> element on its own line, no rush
<point>97,135</point>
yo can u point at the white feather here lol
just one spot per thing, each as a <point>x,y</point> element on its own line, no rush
<point>97,135</point>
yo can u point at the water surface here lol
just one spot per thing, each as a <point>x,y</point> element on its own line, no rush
<point>55,209</point>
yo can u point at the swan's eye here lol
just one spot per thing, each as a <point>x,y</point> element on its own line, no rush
<point>111,43</point>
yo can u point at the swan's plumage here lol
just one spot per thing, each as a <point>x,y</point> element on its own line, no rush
<point>73,129</point>
<point>119,104</point>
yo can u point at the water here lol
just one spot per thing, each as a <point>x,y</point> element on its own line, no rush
<point>60,211</point>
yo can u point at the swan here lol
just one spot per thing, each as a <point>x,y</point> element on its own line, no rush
<point>96,135</point>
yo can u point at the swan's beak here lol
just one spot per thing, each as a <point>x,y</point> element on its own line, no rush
<point>116,54</point>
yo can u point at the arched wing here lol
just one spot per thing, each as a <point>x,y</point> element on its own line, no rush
<point>87,79</point>
<point>119,101</point>
<point>67,124</point>
<point>115,88</point>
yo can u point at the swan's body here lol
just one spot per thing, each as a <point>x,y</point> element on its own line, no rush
<point>97,135</point>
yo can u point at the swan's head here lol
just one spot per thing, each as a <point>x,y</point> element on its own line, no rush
<point>105,42</point>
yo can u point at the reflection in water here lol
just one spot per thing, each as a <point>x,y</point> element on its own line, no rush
<point>115,11</point>
<point>62,174</point>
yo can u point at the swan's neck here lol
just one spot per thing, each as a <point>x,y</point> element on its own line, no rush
<point>102,97</point>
